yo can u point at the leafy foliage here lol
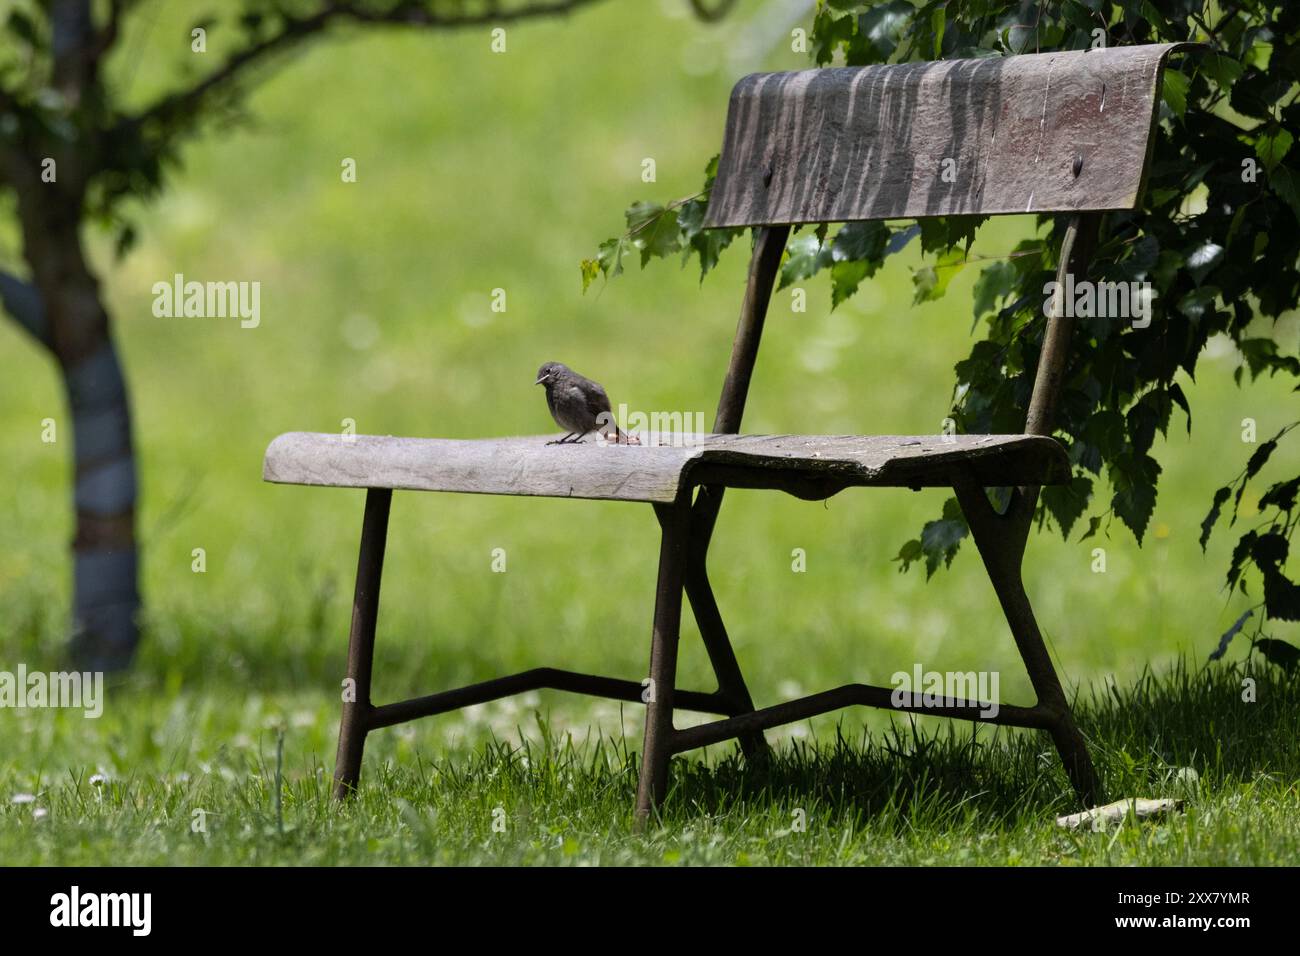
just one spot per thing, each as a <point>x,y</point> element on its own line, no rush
<point>1217,238</point>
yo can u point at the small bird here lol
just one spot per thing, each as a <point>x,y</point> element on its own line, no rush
<point>578,405</point>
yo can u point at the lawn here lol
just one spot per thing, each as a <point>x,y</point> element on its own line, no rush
<point>479,171</point>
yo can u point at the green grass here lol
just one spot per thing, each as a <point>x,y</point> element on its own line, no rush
<point>479,172</point>
<point>912,795</point>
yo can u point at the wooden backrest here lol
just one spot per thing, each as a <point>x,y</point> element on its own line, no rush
<point>1051,132</point>
<point>1044,132</point>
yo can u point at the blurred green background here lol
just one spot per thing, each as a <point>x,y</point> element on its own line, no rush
<point>479,171</point>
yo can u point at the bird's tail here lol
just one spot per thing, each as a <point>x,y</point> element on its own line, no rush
<point>620,437</point>
<point>623,438</point>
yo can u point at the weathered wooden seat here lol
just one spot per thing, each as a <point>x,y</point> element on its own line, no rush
<point>1057,132</point>
<point>813,464</point>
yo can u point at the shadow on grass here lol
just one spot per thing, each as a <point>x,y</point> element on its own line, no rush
<point>1161,735</point>
<point>1164,735</point>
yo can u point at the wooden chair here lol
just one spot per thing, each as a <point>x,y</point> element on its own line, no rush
<point>1054,132</point>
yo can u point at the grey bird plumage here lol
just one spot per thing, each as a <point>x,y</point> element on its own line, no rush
<point>578,405</point>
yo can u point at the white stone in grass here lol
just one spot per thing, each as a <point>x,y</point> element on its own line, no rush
<point>1098,818</point>
<point>1188,780</point>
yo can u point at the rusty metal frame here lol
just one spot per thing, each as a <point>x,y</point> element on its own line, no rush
<point>686,528</point>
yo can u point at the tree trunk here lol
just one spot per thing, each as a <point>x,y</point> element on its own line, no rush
<point>65,313</point>
<point>106,597</point>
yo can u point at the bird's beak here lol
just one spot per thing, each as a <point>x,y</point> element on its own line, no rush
<point>540,380</point>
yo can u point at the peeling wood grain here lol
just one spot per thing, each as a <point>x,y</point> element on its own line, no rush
<point>657,473</point>
<point>841,144</point>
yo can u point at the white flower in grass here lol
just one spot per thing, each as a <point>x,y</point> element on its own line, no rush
<point>40,813</point>
<point>23,798</point>
<point>98,779</point>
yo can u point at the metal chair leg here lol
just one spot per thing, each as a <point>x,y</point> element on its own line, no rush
<point>1001,543</point>
<point>656,751</point>
<point>1070,743</point>
<point>361,643</point>
<point>731,683</point>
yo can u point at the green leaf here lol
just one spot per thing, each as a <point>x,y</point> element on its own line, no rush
<point>1211,518</point>
<point>1203,259</point>
<point>1133,478</point>
<point>832,30</point>
<point>1281,596</point>
<point>653,229</point>
<point>1196,303</point>
<point>1240,552</point>
<point>996,281</point>
<point>941,539</point>
<point>938,234</point>
<point>1282,495</point>
<point>931,282</point>
<point>1148,415</point>
<point>1261,355</point>
<point>690,216</point>
<point>883,26</point>
<point>706,244</point>
<point>1142,258</point>
<point>609,255</point>
<point>1174,91</point>
<point>860,240</point>
<point>1286,184</point>
<point>1257,92</point>
<point>1154,17</point>
<point>1177,396</point>
<point>590,269</point>
<point>857,251</point>
<point>1252,467</point>
<point>1067,502</point>
<point>1270,550</point>
<point>845,279</point>
<point>1284,655</point>
<point>805,257</point>
<point>909,552</point>
<point>1224,70</point>
<point>639,214</point>
<point>1260,458</point>
<point>1272,145</point>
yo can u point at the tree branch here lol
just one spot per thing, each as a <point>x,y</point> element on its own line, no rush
<point>112,28</point>
<point>22,301</point>
<point>72,43</point>
<point>418,13</point>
